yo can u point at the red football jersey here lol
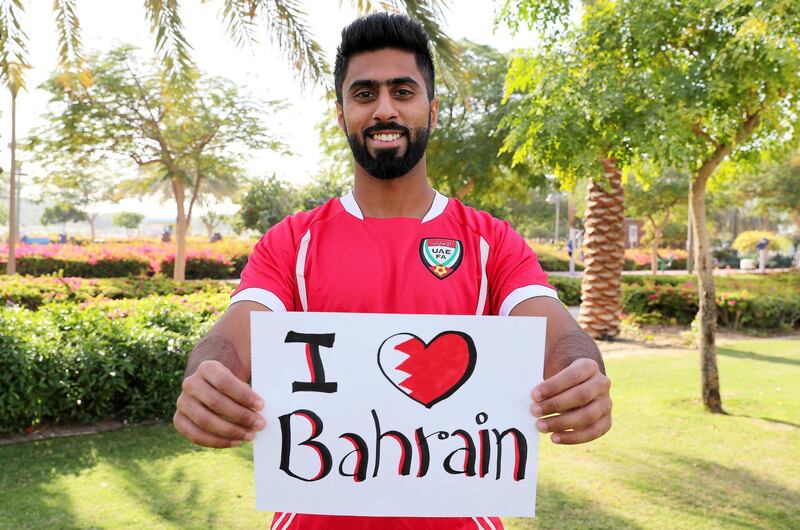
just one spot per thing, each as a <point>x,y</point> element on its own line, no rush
<point>454,261</point>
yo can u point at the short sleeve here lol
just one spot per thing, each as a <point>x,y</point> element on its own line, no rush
<point>513,271</point>
<point>268,278</point>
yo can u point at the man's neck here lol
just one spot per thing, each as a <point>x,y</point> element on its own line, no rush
<point>408,196</point>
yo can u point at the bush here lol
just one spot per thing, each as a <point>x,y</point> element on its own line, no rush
<point>201,267</point>
<point>569,289</point>
<point>85,362</point>
<point>32,292</point>
<point>104,268</point>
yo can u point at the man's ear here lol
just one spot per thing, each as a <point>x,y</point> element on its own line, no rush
<point>340,115</point>
<point>434,112</point>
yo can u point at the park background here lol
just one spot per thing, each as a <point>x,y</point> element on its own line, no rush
<point>647,150</point>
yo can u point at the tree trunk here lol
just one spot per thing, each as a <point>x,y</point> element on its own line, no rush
<point>179,272</point>
<point>690,240</point>
<point>604,254</point>
<point>654,250</point>
<point>707,313</point>
<point>11,265</point>
<point>91,218</point>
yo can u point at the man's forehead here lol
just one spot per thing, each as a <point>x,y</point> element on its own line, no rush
<point>382,66</point>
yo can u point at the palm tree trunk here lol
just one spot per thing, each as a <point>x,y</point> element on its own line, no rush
<point>604,254</point>
<point>11,265</point>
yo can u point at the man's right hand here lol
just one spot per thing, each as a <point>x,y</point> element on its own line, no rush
<point>216,408</point>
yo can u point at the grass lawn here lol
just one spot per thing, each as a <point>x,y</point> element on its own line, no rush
<point>665,464</point>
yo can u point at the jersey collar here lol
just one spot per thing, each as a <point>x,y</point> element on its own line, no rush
<point>437,207</point>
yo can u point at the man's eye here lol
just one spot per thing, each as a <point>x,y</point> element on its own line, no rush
<point>403,92</point>
<point>364,94</point>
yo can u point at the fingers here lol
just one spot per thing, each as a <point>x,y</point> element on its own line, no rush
<point>578,397</point>
<point>216,409</point>
<point>573,398</point>
<point>223,380</point>
<point>573,375</point>
<point>594,431</point>
<point>220,404</point>
<point>211,422</point>
<point>194,434</point>
<point>577,419</point>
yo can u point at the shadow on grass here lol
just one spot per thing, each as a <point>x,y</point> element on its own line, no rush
<point>27,470</point>
<point>739,354</point>
<point>770,420</point>
<point>722,496</point>
<point>559,510</point>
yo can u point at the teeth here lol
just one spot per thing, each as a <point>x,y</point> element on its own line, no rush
<point>387,137</point>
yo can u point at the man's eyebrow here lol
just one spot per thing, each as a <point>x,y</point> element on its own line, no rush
<point>372,83</point>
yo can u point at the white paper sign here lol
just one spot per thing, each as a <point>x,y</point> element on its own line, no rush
<point>396,415</point>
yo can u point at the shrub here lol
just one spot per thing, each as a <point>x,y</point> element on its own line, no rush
<point>569,289</point>
<point>84,362</point>
<point>32,292</point>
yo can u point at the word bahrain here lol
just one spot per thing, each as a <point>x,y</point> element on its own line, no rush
<point>430,373</point>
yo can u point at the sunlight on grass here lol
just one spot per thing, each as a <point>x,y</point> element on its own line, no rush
<point>665,464</point>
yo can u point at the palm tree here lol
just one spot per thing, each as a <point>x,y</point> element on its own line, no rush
<point>284,20</point>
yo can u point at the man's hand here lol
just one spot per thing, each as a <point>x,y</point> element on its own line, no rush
<point>216,408</point>
<point>579,396</point>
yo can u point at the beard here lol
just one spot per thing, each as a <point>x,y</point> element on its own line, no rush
<point>387,164</point>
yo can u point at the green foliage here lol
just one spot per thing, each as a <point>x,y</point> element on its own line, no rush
<point>62,214</point>
<point>85,362</point>
<point>569,289</point>
<point>101,268</point>
<point>129,220</point>
<point>463,157</point>
<point>747,241</point>
<point>199,267</point>
<point>31,292</point>
<point>263,204</point>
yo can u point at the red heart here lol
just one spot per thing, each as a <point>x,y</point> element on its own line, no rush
<point>428,373</point>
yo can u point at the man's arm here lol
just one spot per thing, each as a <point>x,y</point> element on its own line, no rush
<point>575,390</point>
<point>217,408</point>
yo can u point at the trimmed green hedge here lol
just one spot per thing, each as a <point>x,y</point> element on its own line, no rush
<point>32,292</point>
<point>124,359</point>
<point>199,268</point>
<point>104,268</point>
<point>743,301</point>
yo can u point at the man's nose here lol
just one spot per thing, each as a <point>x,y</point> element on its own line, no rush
<point>385,109</point>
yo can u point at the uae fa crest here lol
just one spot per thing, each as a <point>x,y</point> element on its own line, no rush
<point>440,255</point>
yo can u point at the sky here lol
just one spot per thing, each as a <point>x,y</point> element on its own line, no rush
<point>258,70</point>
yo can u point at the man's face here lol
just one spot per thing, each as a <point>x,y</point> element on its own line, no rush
<point>385,112</point>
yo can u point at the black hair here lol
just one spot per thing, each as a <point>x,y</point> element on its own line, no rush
<point>377,32</point>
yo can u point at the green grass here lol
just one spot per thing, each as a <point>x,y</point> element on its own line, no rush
<point>665,464</point>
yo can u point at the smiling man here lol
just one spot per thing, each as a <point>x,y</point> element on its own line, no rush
<point>391,245</point>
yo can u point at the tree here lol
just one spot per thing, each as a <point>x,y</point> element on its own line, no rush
<point>714,82</point>
<point>187,142</point>
<point>464,158</point>
<point>264,203</point>
<point>569,122</point>
<point>655,199</point>
<point>62,213</point>
<point>775,181</point>
<point>211,220</point>
<point>127,220</point>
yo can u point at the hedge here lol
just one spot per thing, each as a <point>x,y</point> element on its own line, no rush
<point>32,292</point>
<point>104,268</point>
<point>85,362</point>
<point>743,301</point>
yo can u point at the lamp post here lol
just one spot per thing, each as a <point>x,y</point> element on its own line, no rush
<point>555,198</point>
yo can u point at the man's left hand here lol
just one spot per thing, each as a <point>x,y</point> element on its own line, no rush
<point>579,396</point>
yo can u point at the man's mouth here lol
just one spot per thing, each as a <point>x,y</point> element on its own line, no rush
<point>385,139</point>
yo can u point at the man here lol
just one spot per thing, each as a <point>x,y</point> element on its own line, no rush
<point>368,252</point>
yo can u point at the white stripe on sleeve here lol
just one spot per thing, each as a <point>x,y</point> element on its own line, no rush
<point>523,293</point>
<point>300,268</point>
<point>266,298</point>
<point>482,293</point>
